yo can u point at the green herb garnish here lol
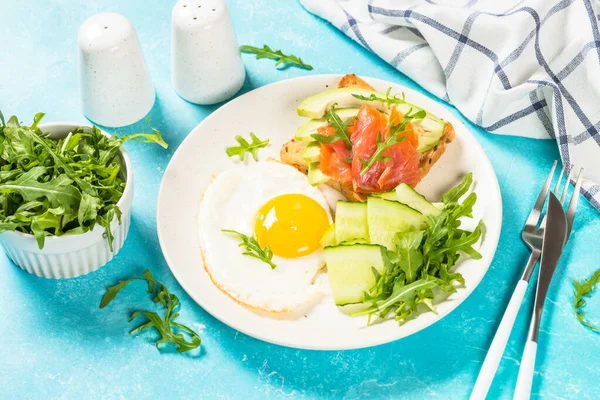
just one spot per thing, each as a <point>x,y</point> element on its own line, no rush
<point>282,59</point>
<point>389,98</point>
<point>423,260</point>
<point>584,289</point>
<point>164,326</point>
<point>393,138</point>
<point>253,248</point>
<point>382,145</point>
<point>246,147</point>
<point>55,187</point>
<point>341,129</point>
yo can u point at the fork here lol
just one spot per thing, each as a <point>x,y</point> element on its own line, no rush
<point>555,237</point>
<point>532,236</point>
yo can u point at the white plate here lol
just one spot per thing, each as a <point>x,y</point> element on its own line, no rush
<point>270,112</point>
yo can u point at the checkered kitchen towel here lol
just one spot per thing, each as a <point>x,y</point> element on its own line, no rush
<point>529,67</point>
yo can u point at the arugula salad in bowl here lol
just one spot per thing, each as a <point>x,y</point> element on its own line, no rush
<point>65,195</point>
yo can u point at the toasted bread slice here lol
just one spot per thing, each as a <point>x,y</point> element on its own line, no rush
<point>351,80</point>
<point>291,152</point>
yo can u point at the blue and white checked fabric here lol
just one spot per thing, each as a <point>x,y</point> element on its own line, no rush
<point>528,68</point>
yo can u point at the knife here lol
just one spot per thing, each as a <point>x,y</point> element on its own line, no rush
<point>555,235</point>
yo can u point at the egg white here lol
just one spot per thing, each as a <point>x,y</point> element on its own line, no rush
<point>231,201</point>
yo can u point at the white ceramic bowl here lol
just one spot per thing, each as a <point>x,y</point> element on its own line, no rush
<point>69,256</point>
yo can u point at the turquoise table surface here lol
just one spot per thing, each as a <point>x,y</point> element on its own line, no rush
<point>56,343</point>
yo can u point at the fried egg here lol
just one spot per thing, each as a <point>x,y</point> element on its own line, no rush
<point>275,204</point>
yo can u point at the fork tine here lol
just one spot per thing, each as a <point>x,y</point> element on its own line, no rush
<point>560,175</point>
<point>534,215</point>
<point>566,188</point>
<point>573,203</point>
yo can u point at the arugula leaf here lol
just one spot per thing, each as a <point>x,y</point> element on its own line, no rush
<point>382,145</point>
<point>64,186</point>
<point>164,326</point>
<point>402,293</point>
<point>389,98</point>
<point>581,290</point>
<point>410,258</point>
<point>154,137</point>
<point>246,147</point>
<point>58,192</point>
<point>459,190</point>
<point>393,138</point>
<point>253,248</point>
<point>282,59</point>
<point>406,119</point>
<point>341,129</point>
<point>40,224</point>
<point>423,260</point>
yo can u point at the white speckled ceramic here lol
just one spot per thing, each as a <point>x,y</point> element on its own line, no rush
<point>206,64</point>
<point>69,256</point>
<point>115,86</point>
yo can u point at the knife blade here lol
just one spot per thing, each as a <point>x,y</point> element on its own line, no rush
<point>555,235</point>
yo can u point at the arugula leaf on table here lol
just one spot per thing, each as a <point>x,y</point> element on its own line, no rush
<point>64,186</point>
<point>581,290</point>
<point>423,260</point>
<point>246,147</point>
<point>393,138</point>
<point>253,248</point>
<point>163,325</point>
<point>341,129</point>
<point>154,137</point>
<point>282,59</point>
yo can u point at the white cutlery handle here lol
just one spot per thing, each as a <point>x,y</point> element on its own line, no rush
<point>525,379</point>
<point>494,355</point>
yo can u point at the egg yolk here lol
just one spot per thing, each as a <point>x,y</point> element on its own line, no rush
<point>292,225</point>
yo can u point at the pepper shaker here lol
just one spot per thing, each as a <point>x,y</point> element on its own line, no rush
<point>113,79</point>
<point>206,64</point>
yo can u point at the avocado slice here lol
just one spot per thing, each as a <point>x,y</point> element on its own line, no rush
<point>315,175</point>
<point>308,128</point>
<point>312,152</point>
<point>316,106</point>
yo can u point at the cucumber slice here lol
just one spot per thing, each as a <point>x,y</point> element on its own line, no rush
<point>409,196</point>
<point>328,238</point>
<point>315,175</point>
<point>432,127</point>
<point>351,222</point>
<point>312,152</point>
<point>391,195</point>
<point>386,218</point>
<point>308,128</point>
<point>350,270</point>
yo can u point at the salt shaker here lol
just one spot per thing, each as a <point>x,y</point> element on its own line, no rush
<point>206,64</point>
<point>115,86</point>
